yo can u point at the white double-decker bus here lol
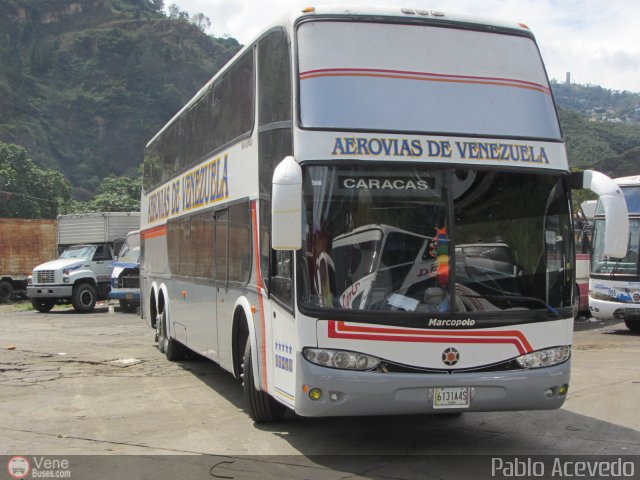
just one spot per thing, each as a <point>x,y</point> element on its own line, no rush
<point>614,284</point>
<point>368,212</point>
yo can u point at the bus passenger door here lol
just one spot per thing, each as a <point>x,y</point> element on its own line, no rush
<point>283,327</point>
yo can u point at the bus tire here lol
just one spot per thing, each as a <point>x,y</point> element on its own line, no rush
<point>261,406</point>
<point>172,349</point>
<point>634,326</point>
<point>84,298</point>
<point>6,291</point>
<point>158,333</point>
<point>43,305</point>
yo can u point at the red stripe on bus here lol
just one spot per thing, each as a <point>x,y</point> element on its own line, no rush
<point>514,337</point>
<point>154,232</point>
<point>256,256</point>
<point>423,76</point>
<point>412,331</point>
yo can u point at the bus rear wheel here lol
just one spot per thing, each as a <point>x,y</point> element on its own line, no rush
<point>172,349</point>
<point>261,406</point>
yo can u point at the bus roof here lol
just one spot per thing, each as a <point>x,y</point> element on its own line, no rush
<point>404,13</point>
<point>628,181</point>
<point>359,12</point>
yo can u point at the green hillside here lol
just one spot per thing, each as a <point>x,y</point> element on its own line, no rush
<point>613,148</point>
<point>598,103</point>
<point>85,84</point>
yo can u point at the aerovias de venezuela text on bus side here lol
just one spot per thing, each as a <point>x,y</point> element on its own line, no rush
<point>205,185</point>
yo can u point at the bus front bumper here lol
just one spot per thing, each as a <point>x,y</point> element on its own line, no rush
<point>607,310</point>
<point>351,393</point>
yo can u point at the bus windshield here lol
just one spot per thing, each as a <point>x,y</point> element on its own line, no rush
<point>616,266</point>
<point>429,240</point>
<point>422,78</point>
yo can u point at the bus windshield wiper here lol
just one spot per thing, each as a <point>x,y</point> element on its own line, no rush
<point>615,267</point>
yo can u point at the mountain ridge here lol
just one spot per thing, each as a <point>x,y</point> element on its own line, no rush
<point>87,83</point>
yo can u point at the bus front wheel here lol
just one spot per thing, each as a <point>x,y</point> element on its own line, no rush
<point>262,408</point>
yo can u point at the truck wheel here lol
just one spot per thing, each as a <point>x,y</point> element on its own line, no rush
<point>127,307</point>
<point>6,291</point>
<point>261,406</point>
<point>634,326</point>
<point>43,305</point>
<point>84,298</point>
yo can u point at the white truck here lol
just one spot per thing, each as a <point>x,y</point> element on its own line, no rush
<point>81,275</point>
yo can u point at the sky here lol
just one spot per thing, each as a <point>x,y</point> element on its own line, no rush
<point>597,41</point>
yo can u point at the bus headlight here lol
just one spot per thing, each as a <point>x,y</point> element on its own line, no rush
<point>341,359</point>
<point>545,358</point>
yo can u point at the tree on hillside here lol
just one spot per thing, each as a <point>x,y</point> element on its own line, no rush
<point>201,21</point>
<point>27,191</point>
<point>176,13</point>
<point>118,194</point>
<point>115,194</point>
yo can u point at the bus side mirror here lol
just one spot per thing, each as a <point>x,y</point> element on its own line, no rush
<point>616,234</point>
<point>286,206</point>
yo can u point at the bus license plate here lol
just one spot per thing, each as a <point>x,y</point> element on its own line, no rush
<point>451,397</point>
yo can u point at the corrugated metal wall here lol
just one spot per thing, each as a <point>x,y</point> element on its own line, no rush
<point>25,244</point>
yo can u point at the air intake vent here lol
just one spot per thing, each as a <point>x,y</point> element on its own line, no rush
<point>46,276</point>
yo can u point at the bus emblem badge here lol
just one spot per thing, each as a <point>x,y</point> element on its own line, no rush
<point>450,356</point>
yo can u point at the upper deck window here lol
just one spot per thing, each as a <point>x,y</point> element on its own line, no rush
<point>419,78</point>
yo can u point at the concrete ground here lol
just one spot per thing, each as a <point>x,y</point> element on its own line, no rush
<point>73,384</point>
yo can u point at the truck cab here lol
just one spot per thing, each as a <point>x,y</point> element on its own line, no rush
<point>81,276</point>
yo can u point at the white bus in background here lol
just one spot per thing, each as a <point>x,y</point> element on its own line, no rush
<point>583,232</point>
<point>614,285</point>
<point>436,176</point>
